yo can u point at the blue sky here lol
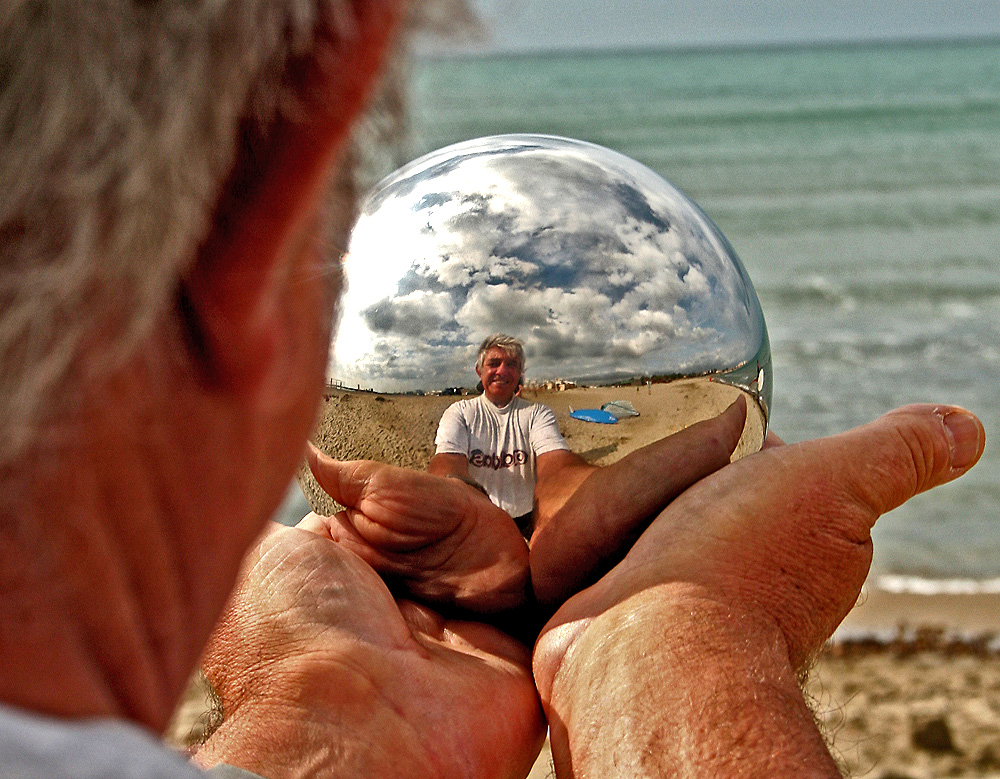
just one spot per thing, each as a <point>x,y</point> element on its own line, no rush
<point>533,25</point>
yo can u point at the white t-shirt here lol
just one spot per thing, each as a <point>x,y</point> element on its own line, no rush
<point>501,444</point>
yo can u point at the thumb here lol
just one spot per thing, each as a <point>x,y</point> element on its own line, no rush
<point>344,481</point>
<point>910,450</point>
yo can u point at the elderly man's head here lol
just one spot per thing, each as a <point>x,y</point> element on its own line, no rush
<point>500,366</point>
<point>133,132</point>
<point>165,300</point>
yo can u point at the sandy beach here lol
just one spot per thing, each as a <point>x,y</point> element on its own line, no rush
<point>909,688</point>
<point>400,429</point>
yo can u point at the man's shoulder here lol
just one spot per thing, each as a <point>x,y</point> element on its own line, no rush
<point>38,746</point>
<point>463,405</point>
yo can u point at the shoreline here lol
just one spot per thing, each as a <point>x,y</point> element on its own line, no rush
<point>885,616</point>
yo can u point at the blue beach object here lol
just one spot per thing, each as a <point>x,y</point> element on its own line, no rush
<point>594,415</point>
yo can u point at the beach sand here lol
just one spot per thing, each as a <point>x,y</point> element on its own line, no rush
<point>400,429</point>
<point>909,688</point>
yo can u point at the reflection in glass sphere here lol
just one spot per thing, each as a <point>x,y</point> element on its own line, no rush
<point>618,285</point>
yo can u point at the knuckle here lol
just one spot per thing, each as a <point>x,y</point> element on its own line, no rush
<point>920,455</point>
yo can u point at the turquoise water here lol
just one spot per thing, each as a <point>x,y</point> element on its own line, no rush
<point>860,186</point>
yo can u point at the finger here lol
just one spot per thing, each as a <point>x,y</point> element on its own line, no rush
<point>845,482</point>
<point>314,523</point>
<point>344,481</point>
<point>340,529</point>
<point>650,477</point>
<point>771,440</point>
<point>352,482</point>
<point>913,449</point>
<point>876,467</point>
<point>706,446</point>
<point>348,483</point>
<point>830,493</point>
<point>480,638</point>
<point>393,509</point>
<point>465,636</point>
<point>336,528</point>
<point>605,513</point>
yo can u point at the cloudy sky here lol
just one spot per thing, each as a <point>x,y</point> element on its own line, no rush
<point>596,263</point>
<point>532,25</point>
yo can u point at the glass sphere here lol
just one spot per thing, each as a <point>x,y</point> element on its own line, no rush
<point>618,285</point>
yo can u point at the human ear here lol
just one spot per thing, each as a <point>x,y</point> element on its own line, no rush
<point>235,303</point>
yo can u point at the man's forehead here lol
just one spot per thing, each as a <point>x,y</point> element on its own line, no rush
<point>498,353</point>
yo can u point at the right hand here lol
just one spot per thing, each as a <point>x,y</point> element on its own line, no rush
<point>699,634</point>
<point>784,533</point>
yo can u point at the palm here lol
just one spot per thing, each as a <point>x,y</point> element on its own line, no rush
<point>443,541</point>
<point>454,695</point>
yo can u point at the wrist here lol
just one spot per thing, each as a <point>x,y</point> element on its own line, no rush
<point>670,682</point>
<point>269,733</point>
<point>284,726</point>
<point>258,740</point>
<point>470,481</point>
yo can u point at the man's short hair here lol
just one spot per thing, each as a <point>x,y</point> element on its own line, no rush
<point>112,170</point>
<point>506,343</point>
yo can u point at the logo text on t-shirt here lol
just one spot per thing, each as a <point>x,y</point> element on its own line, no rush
<point>481,459</point>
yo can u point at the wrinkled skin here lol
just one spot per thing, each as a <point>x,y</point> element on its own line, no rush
<point>314,656</point>
<point>438,538</point>
<point>784,533</point>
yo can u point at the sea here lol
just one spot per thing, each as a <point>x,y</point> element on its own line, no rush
<point>860,186</point>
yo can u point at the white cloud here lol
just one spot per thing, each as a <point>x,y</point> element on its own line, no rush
<point>594,262</point>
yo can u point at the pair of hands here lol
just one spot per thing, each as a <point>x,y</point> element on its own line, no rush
<point>319,665</point>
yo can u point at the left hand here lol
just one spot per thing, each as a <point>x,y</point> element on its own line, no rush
<point>440,539</point>
<point>321,671</point>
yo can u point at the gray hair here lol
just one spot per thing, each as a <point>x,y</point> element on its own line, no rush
<point>120,122</point>
<point>506,343</point>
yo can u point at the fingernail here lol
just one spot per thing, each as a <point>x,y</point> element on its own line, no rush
<point>965,433</point>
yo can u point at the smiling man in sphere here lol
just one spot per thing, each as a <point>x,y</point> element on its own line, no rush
<point>496,441</point>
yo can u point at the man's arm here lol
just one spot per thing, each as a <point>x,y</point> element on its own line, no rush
<point>696,639</point>
<point>447,464</point>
